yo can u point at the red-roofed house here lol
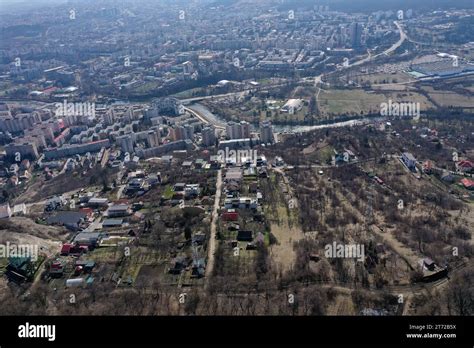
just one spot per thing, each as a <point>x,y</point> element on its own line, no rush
<point>230,215</point>
<point>56,269</point>
<point>88,211</point>
<point>465,166</point>
<point>66,248</point>
<point>467,183</point>
<point>73,249</point>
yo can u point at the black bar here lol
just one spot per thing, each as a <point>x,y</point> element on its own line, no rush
<point>193,330</point>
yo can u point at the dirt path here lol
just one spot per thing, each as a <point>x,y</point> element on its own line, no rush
<point>403,251</point>
<point>342,306</point>
<point>212,238</point>
<point>44,201</point>
<point>283,253</point>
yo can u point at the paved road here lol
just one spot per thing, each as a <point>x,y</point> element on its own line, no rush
<point>201,118</point>
<point>196,99</point>
<point>95,225</point>
<point>403,37</point>
<point>387,51</point>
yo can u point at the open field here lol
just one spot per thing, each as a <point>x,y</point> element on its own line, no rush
<point>449,98</point>
<point>359,102</point>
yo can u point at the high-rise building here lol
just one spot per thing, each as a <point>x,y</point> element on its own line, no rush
<point>126,143</point>
<point>266,133</point>
<point>109,116</point>
<point>80,149</point>
<point>37,139</point>
<point>232,130</point>
<point>356,35</point>
<point>245,129</point>
<point>153,138</point>
<point>189,131</point>
<point>18,122</point>
<point>208,136</point>
<point>183,132</point>
<point>239,130</point>
<point>25,150</point>
<point>180,133</point>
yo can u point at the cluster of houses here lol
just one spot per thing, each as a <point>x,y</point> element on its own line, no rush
<point>94,221</point>
<point>138,182</point>
<point>190,196</point>
<point>243,200</point>
<point>94,224</point>
<point>463,168</point>
<point>18,172</point>
<point>70,261</point>
<point>18,210</point>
